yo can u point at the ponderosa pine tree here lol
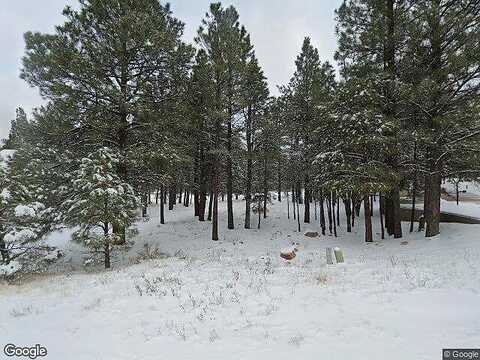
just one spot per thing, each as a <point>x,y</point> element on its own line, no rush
<point>105,61</point>
<point>227,46</point>
<point>350,141</point>
<point>202,102</point>
<point>254,97</point>
<point>443,87</point>
<point>371,38</point>
<point>309,85</point>
<point>99,200</point>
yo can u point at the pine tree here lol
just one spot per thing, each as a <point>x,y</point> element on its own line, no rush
<point>371,40</point>
<point>202,103</point>
<point>443,89</point>
<point>107,61</point>
<point>99,200</point>
<point>309,86</point>
<point>227,46</point>
<point>254,97</point>
<point>26,201</point>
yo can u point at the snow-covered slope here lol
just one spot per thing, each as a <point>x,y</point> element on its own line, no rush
<point>237,299</point>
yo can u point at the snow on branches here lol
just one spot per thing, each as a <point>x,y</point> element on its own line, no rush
<point>99,201</point>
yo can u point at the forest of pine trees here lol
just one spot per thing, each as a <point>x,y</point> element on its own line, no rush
<point>135,116</point>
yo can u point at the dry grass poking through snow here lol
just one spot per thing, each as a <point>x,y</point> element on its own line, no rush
<point>238,299</point>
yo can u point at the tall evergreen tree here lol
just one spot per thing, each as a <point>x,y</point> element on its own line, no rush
<point>254,98</point>
<point>105,62</point>
<point>371,40</point>
<point>227,45</point>
<point>443,85</point>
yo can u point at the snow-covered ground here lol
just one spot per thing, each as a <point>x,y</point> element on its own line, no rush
<point>464,208</point>
<point>471,209</point>
<point>237,299</point>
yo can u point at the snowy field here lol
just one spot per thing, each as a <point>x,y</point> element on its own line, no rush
<point>237,299</point>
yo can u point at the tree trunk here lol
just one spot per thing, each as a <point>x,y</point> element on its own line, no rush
<point>348,213</point>
<point>248,200</point>
<point>433,179</point>
<point>202,197</point>
<point>433,182</point>
<point>412,211</point>
<point>230,97</point>
<point>248,185</point>
<point>388,214</point>
<point>397,220</point>
<point>298,214</point>
<point>306,215</point>
<point>382,214</point>
<point>368,219</point>
<point>294,199</point>
<point>210,206</point>
<point>196,183</point>
<point>259,212</point>
<point>162,205</point>
<point>202,205</point>
<point>392,215</point>
<point>334,204</point>
<point>338,209</point>
<point>288,206</point>
<point>457,192</point>
<point>353,211</point>
<point>215,204</point>
<point>145,205</point>
<point>171,197</point>
<point>358,205</point>
<point>279,176</point>
<point>229,176</point>
<point>123,127</point>
<point>106,246</point>
<point>414,187</point>
<point>322,212</point>
<point>329,210</point>
<point>299,193</point>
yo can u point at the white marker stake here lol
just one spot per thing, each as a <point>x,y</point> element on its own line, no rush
<point>338,255</point>
<point>329,254</point>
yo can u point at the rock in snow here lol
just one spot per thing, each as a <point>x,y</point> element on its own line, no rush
<point>288,253</point>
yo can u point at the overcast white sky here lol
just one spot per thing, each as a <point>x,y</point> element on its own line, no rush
<point>277,28</point>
